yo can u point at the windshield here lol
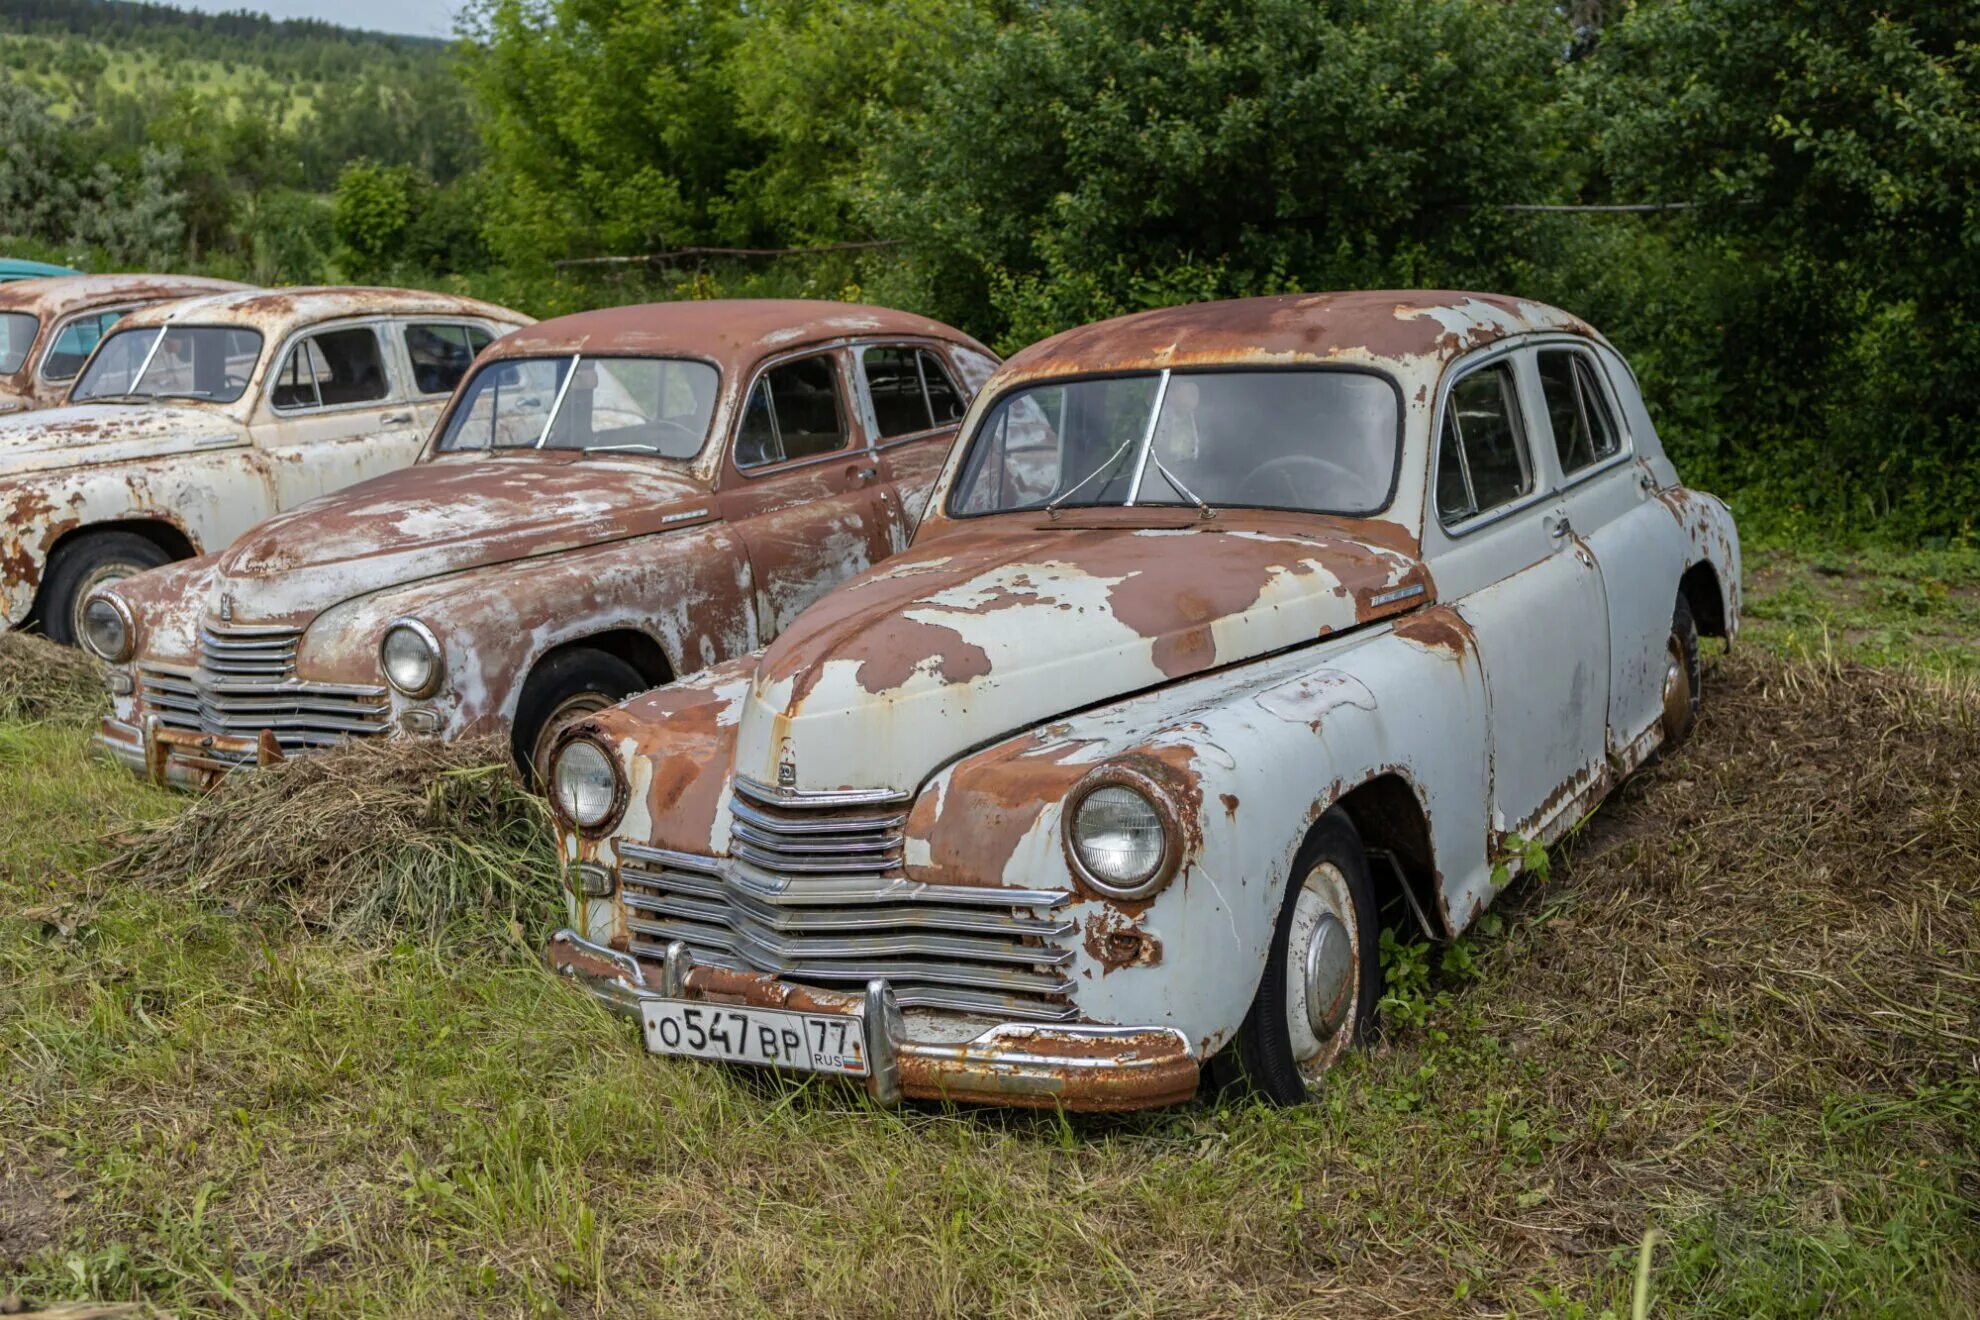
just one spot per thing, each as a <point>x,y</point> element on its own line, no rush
<point>1315,441</point>
<point>622,405</point>
<point>205,362</point>
<point>17,330</point>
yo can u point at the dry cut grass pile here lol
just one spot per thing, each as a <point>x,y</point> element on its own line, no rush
<point>43,682</point>
<point>369,840</point>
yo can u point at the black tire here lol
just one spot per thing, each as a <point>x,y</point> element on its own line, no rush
<point>1680,717</point>
<point>567,684</point>
<point>1260,1059</point>
<point>79,566</point>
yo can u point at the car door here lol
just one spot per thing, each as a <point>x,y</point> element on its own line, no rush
<point>913,407</point>
<point>1507,559</point>
<point>334,412</point>
<point>800,484</point>
<point>1610,504</point>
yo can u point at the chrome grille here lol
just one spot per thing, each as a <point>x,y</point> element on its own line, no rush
<point>245,682</point>
<point>815,894</point>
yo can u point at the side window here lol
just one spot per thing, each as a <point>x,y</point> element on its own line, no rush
<point>1481,460</point>
<point>76,341</point>
<point>331,370</point>
<point>910,389</point>
<point>794,411</point>
<point>441,354</point>
<point>1585,430</point>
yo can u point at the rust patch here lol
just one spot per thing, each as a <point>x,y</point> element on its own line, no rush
<point>1115,940</point>
<point>1440,628</point>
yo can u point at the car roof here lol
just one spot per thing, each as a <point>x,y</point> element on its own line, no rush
<point>57,296</point>
<point>1397,328</point>
<point>279,310</point>
<point>733,332</point>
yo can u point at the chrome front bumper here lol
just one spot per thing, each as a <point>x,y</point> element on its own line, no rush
<point>1075,1067</point>
<point>181,759</point>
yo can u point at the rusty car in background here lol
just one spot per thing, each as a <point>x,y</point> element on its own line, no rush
<point>612,500</point>
<point>196,419</point>
<point>1233,632</point>
<point>49,327</point>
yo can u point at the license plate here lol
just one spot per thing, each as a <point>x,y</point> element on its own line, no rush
<point>768,1037</point>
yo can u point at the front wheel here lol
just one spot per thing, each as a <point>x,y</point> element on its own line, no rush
<point>83,565</point>
<point>563,690</point>
<point>1323,977</point>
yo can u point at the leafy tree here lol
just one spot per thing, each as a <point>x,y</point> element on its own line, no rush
<point>1834,149</point>
<point>1094,157</point>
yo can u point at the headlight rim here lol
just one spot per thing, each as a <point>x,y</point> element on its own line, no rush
<point>124,615</point>
<point>432,640</point>
<point>621,789</point>
<point>1159,797</point>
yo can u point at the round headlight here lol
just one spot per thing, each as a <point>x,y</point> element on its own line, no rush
<point>410,656</point>
<point>107,630</point>
<point>585,779</point>
<point>1118,840</point>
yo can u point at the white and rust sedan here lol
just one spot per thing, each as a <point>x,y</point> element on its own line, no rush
<point>1233,633</point>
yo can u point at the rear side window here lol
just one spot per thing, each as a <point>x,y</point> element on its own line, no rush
<point>441,354</point>
<point>75,341</point>
<point>1585,430</point>
<point>911,391</point>
<point>334,369</point>
<point>795,411</point>
<point>1481,454</point>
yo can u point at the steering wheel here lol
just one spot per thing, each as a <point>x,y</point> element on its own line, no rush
<point>1302,481</point>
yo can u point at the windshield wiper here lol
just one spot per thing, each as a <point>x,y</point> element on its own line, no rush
<point>1202,506</point>
<point>1052,506</point>
<point>629,447</point>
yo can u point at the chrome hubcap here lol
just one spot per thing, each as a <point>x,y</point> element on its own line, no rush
<point>1323,980</point>
<point>1677,690</point>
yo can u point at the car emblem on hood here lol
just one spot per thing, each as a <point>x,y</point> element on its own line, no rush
<point>787,768</point>
<point>226,607</point>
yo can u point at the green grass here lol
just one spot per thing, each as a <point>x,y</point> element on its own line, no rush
<point>1913,609</point>
<point>1739,1015</point>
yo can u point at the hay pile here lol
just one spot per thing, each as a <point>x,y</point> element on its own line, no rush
<point>367,840</point>
<point>40,681</point>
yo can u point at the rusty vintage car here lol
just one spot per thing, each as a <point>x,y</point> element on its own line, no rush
<point>196,419</point>
<point>1233,632</point>
<point>613,499</point>
<point>49,327</point>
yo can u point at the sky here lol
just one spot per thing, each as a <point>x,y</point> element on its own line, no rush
<point>420,18</point>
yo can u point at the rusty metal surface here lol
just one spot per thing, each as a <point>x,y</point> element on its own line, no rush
<point>189,475</point>
<point>513,557</point>
<point>56,299</point>
<point>1456,693</point>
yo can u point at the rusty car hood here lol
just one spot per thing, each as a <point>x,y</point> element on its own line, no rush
<point>109,433</point>
<point>447,516</point>
<point>996,627</point>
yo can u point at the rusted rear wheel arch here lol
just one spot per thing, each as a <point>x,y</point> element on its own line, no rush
<point>161,531</point>
<point>1701,591</point>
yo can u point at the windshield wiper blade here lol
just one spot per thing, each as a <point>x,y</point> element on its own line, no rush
<point>1052,506</point>
<point>620,449</point>
<point>1201,504</point>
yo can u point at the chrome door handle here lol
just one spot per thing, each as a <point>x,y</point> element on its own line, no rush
<point>396,419</point>
<point>863,475</point>
<point>1558,526</point>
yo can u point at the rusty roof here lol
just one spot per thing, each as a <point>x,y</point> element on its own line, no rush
<point>59,295</point>
<point>281,308</point>
<point>730,331</point>
<point>1369,325</point>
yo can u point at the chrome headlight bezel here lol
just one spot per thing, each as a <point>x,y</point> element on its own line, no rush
<point>604,810</point>
<point>1161,805</point>
<point>125,619</point>
<point>435,653</point>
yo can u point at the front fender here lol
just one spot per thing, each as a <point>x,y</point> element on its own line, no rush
<point>1263,750</point>
<point>206,498</point>
<point>688,590</point>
